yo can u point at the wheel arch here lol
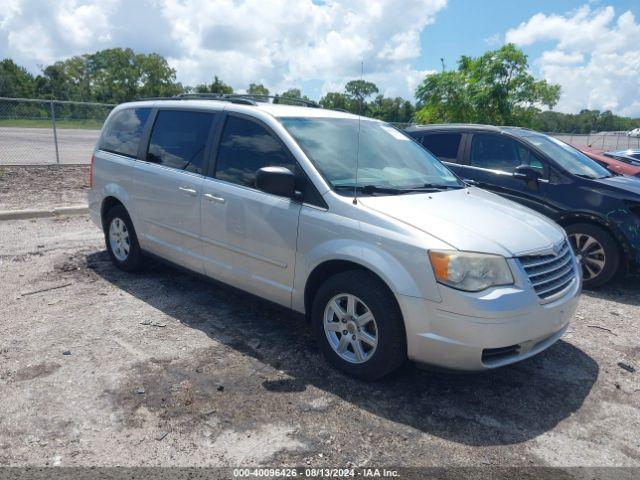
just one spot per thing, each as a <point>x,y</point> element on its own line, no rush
<point>572,218</point>
<point>107,204</point>
<point>327,269</point>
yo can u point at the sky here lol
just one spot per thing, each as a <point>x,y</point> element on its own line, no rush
<point>590,47</point>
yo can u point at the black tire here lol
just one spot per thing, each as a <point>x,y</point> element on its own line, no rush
<point>391,350</point>
<point>609,246</point>
<point>133,261</point>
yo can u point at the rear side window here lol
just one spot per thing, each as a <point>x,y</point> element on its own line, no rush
<point>443,145</point>
<point>245,147</point>
<point>179,139</point>
<point>124,130</point>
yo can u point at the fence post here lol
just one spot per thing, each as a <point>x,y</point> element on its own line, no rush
<point>617,141</point>
<point>603,139</point>
<point>55,133</point>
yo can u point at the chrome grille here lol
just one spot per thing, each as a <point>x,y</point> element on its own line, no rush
<point>550,274</point>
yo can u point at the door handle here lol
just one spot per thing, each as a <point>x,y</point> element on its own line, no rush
<point>213,198</point>
<point>188,191</point>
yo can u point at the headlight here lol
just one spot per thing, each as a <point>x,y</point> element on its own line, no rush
<point>469,271</point>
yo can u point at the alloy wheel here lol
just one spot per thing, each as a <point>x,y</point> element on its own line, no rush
<point>591,253</point>
<point>350,328</point>
<point>119,239</point>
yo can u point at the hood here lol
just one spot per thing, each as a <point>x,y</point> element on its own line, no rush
<point>628,184</point>
<point>472,219</point>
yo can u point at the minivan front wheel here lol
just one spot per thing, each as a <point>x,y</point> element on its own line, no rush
<point>350,328</point>
<point>358,325</point>
<point>121,240</point>
<point>598,252</point>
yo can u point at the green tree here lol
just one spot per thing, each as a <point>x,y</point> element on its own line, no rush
<point>114,75</point>
<point>336,101</point>
<point>292,93</point>
<point>66,80</point>
<point>586,121</point>
<point>218,86</point>
<point>494,88</point>
<point>360,90</point>
<point>396,110</point>
<point>258,89</point>
<point>15,81</point>
<point>155,77</point>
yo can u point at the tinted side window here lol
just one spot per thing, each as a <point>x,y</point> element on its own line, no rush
<point>443,145</point>
<point>527,157</point>
<point>123,132</point>
<point>495,152</point>
<point>179,138</point>
<point>245,147</point>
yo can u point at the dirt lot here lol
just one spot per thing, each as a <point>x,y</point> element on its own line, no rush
<point>32,187</point>
<point>98,367</point>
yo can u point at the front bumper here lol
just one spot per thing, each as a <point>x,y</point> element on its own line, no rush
<point>480,331</point>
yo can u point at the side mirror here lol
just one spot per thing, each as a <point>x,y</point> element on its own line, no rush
<point>276,180</point>
<point>527,173</point>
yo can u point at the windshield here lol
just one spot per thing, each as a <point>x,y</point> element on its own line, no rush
<point>566,156</point>
<point>387,157</point>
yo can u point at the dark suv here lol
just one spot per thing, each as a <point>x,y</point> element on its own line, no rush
<point>600,211</point>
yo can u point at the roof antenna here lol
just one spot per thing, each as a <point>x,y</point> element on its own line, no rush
<point>355,186</point>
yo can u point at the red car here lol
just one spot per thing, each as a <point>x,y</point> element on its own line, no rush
<point>611,164</point>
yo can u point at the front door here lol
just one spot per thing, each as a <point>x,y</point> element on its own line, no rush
<point>491,162</point>
<point>249,237</point>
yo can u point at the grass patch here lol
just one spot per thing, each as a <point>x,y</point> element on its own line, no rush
<point>46,123</point>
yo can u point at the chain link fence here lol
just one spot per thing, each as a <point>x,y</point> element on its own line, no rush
<point>40,132</point>
<point>601,141</point>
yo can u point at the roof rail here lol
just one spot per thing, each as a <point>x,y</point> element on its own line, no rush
<point>247,98</point>
<point>242,98</point>
<point>228,97</point>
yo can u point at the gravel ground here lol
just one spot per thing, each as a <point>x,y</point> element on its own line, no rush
<point>32,187</point>
<point>99,367</point>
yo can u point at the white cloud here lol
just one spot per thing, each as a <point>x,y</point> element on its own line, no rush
<point>279,43</point>
<point>558,57</point>
<point>494,40</point>
<point>596,57</point>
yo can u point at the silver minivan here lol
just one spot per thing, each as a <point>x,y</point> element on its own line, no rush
<point>342,218</point>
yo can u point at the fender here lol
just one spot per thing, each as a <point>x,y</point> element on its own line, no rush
<point>116,191</point>
<point>379,261</point>
<point>609,223</point>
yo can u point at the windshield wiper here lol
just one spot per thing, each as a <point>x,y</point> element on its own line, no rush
<point>373,189</point>
<point>370,189</point>
<point>436,186</point>
<point>584,175</point>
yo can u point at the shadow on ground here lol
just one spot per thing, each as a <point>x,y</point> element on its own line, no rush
<point>505,406</point>
<point>624,289</point>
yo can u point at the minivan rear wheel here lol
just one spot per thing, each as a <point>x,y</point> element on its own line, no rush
<point>598,252</point>
<point>358,325</point>
<point>121,240</point>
